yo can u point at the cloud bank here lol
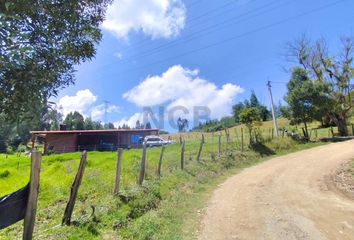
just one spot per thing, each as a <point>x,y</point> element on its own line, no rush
<point>154,18</point>
<point>84,102</point>
<point>179,86</point>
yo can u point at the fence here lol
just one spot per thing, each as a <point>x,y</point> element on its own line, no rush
<point>195,147</point>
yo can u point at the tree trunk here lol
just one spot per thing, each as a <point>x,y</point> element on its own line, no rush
<point>341,122</point>
<point>250,132</point>
<point>306,131</point>
<point>342,126</point>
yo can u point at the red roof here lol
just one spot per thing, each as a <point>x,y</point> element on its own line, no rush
<point>93,131</point>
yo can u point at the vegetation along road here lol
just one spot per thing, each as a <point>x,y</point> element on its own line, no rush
<point>289,197</point>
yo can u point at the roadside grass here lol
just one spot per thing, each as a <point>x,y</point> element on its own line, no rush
<point>165,208</point>
<point>266,130</point>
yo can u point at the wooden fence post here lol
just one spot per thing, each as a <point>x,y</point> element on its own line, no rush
<point>353,129</point>
<point>118,168</point>
<point>31,208</point>
<point>142,165</point>
<point>200,148</point>
<point>332,132</point>
<point>219,146</point>
<point>227,133</point>
<point>241,139</point>
<point>160,161</point>
<point>74,190</point>
<point>182,154</point>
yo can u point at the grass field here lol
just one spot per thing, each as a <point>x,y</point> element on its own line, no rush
<point>163,208</point>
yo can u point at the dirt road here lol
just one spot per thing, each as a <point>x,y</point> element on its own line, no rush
<point>288,197</point>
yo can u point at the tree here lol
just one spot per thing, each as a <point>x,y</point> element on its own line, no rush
<point>335,70</point>
<point>40,43</point>
<point>303,97</point>
<point>148,125</point>
<point>264,113</point>
<point>74,121</point>
<point>254,100</point>
<point>138,125</point>
<point>250,117</point>
<point>236,109</point>
<point>52,119</point>
<point>182,124</point>
<point>109,126</point>
<point>125,126</point>
<point>89,124</point>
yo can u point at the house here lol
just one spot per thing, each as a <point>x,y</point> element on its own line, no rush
<point>62,141</point>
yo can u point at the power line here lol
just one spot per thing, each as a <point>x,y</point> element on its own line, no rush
<point>244,34</point>
<point>279,82</point>
<point>213,11</point>
<point>210,29</point>
<point>141,43</point>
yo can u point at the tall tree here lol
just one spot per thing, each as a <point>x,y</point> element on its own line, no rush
<point>40,43</point>
<point>303,97</point>
<point>336,70</point>
<point>109,126</point>
<point>254,100</point>
<point>236,109</point>
<point>138,125</point>
<point>52,119</point>
<point>74,121</point>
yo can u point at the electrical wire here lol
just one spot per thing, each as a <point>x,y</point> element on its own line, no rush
<point>213,28</point>
<point>243,34</point>
<point>197,18</point>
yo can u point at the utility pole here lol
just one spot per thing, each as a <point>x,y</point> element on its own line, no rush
<point>273,111</point>
<point>105,111</point>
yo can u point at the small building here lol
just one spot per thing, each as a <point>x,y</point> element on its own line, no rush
<point>62,141</point>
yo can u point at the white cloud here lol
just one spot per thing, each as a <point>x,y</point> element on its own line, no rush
<point>180,86</point>
<point>82,100</point>
<point>130,121</point>
<point>155,18</point>
<point>98,111</point>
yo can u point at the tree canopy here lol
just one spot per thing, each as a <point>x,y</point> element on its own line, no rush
<point>307,99</point>
<point>263,112</point>
<point>336,70</point>
<point>40,44</point>
<point>251,118</point>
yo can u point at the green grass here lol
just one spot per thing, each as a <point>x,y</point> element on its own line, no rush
<point>163,208</point>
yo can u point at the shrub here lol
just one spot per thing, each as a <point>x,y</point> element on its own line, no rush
<point>4,174</point>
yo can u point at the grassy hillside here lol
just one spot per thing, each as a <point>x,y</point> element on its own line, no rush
<point>162,209</point>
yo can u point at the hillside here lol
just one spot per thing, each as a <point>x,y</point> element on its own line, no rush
<point>140,212</point>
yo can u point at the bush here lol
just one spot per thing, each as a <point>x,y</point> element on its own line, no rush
<point>4,174</point>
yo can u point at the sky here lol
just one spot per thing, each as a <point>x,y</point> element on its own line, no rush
<point>163,59</point>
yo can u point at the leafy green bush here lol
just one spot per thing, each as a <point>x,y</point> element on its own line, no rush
<point>4,174</point>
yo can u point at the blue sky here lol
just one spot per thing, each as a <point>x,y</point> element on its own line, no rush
<point>196,53</point>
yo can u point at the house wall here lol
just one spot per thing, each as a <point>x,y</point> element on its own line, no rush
<point>61,143</point>
<point>70,142</point>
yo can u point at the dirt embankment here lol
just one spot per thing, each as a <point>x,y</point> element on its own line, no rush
<point>289,197</point>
